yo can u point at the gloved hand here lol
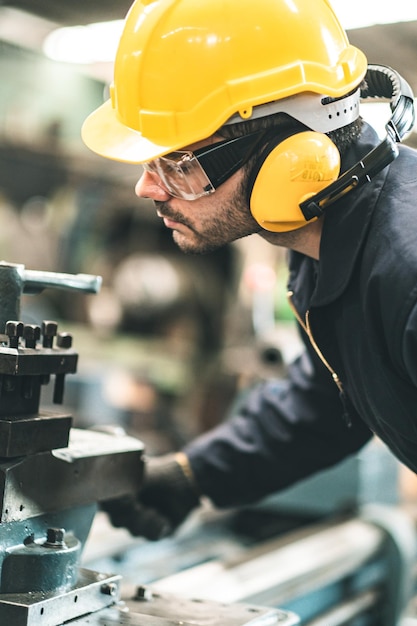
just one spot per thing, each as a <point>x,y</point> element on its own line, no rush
<point>168,495</point>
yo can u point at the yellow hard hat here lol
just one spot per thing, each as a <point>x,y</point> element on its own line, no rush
<point>184,67</point>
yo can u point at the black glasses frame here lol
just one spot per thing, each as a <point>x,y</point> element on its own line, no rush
<point>221,160</point>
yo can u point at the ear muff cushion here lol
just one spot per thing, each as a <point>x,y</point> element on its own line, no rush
<point>291,171</point>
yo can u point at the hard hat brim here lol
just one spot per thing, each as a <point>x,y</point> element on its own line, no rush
<point>104,134</point>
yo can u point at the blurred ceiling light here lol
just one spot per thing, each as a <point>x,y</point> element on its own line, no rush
<point>97,43</point>
<point>23,29</point>
<point>93,43</point>
<point>359,14</point>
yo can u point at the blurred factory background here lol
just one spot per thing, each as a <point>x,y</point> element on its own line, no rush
<point>169,340</point>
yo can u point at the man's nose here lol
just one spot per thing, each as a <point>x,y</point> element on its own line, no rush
<point>149,186</point>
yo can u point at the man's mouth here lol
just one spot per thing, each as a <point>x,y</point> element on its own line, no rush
<point>170,223</point>
<point>171,218</point>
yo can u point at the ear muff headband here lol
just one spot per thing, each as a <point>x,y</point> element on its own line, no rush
<point>278,200</point>
<point>381,82</point>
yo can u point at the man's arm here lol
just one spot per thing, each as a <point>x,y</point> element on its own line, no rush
<point>282,432</point>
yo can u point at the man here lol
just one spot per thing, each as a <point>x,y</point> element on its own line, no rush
<point>246,118</point>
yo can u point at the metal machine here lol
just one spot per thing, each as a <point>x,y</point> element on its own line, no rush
<point>52,477</point>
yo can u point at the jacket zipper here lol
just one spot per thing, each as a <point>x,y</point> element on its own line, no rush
<point>307,328</point>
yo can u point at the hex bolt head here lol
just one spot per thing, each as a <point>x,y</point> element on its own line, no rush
<point>64,340</point>
<point>55,538</point>
<point>49,331</point>
<point>143,594</point>
<point>109,589</point>
<point>31,334</point>
<point>14,330</point>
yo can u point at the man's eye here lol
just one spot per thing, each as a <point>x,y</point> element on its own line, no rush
<point>186,167</point>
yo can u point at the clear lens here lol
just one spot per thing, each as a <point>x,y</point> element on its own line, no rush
<point>182,175</point>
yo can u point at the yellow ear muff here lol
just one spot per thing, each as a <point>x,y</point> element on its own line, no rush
<point>296,169</point>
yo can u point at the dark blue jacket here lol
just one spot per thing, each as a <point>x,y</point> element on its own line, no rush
<point>361,299</point>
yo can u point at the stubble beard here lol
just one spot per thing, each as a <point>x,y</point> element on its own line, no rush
<point>234,222</point>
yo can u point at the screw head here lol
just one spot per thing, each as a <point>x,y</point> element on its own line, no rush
<point>49,330</point>
<point>64,340</point>
<point>143,594</point>
<point>109,589</point>
<point>55,538</point>
<point>14,330</point>
<point>31,334</point>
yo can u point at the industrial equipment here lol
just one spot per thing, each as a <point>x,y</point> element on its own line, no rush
<point>52,477</point>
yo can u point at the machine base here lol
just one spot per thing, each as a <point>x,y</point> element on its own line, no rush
<point>92,593</point>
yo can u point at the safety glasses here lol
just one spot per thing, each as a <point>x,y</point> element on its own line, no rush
<point>191,175</point>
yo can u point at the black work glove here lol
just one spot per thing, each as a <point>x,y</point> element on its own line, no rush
<point>167,496</point>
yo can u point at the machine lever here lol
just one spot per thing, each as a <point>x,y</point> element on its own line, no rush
<point>35,281</point>
<point>15,280</point>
